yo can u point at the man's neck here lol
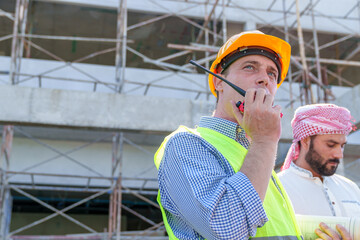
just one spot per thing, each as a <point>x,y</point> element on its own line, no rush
<point>301,162</point>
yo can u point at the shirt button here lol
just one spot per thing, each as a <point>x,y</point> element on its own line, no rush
<point>333,203</point>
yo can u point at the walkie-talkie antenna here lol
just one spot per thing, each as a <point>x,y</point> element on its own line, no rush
<point>236,88</point>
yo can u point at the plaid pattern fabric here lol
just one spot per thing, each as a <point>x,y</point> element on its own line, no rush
<point>202,196</point>
<point>317,119</point>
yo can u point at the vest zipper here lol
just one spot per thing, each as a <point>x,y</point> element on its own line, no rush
<point>276,185</point>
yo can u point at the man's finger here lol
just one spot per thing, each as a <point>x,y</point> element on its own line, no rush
<point>277,108</point>
<point>269,100</point>
<point>345,235</point>
<point>250,95</point>
<point>329,231</point>
<point>260,96</point>
<point>322,235</point>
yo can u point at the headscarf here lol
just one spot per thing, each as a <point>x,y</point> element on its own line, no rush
<point>317,119</point>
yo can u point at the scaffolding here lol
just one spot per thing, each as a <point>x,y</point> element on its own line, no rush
<point>115,190</point>
<point>304,71</point>
<point>306,75</point>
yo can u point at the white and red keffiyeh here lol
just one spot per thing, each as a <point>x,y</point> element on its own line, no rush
<point>317,119</point>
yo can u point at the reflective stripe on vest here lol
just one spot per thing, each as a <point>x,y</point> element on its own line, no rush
<point>276,238</point>
<point>276,203</point>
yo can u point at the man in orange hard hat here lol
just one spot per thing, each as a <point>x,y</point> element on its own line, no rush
<point>217,181</point>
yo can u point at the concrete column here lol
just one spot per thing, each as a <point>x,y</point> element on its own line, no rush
<point>250,26</point>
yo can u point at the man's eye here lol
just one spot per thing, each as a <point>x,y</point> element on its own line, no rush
<point>272,75</point>
<point>249,67</point>
<point>331,145</point>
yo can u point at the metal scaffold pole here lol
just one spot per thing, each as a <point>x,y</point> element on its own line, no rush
<point>317,52</point>
<point>17,47</point>
<point>306,81</point>
<point>116,194</point>
<point>5,197</point>
<point>121,36</point>
<point>290,78</point>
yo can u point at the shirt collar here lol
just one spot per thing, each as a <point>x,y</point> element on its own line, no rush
<point>303,172</point>
<point>300,171</point>
<point>225,127</point>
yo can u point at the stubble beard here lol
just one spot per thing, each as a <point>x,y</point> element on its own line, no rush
<point>317,163</point>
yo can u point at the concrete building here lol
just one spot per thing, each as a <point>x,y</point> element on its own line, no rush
<point>90,88</point>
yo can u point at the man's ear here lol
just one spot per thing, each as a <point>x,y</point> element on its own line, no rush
<point>305,143</point>
<point>218,84</point>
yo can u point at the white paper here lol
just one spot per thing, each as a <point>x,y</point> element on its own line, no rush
<point>308,224</point>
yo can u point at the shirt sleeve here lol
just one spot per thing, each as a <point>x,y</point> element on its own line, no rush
<point>198,185</point>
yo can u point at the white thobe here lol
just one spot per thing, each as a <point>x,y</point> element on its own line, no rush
<point>335,196</point>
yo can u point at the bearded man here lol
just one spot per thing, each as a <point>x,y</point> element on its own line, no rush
<point>320,133</point>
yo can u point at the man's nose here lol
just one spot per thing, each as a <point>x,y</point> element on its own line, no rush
<point>339,153</point>
<point>263,78</point>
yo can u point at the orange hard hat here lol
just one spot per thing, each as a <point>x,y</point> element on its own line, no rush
<point>252,43</point>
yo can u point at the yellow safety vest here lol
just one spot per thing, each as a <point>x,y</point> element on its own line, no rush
<point>282,223</point>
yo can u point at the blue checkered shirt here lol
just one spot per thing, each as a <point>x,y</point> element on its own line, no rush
<point>202,196</point>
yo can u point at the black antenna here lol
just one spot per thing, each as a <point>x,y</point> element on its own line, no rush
<point>236,88</point>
